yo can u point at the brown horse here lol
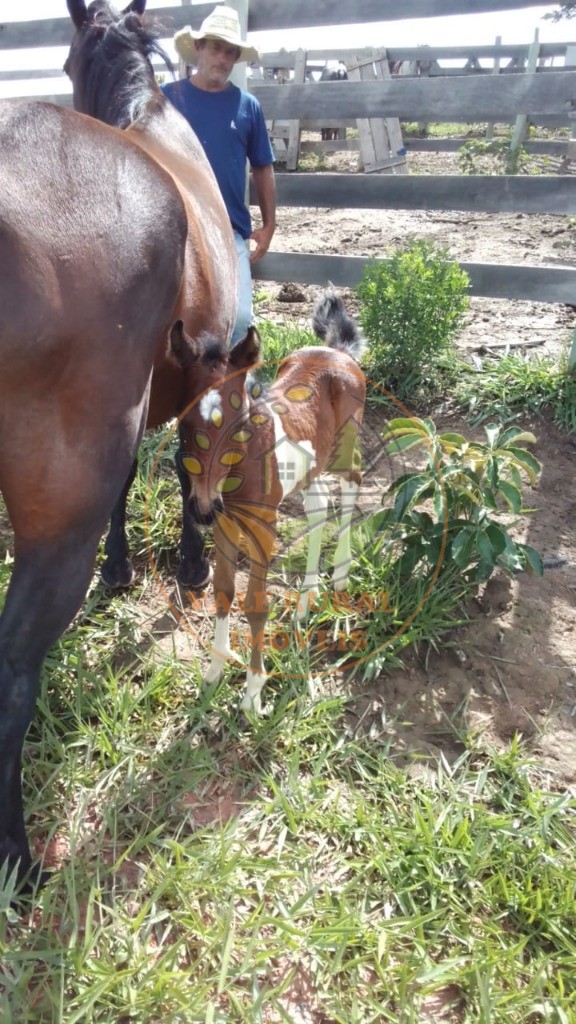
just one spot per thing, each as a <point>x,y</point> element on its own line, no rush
<point>101,253</point>
<point>245,454</point>
<point>113,81</point>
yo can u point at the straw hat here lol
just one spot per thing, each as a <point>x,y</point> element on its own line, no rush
<point>223,24</point>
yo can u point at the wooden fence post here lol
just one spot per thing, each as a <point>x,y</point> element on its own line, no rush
<point>519,131</point>
<point>570,155</point>
<point>294,130</point>
<point>495,71</point>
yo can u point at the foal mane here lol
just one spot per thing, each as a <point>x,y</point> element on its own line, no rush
<point>110,65</point>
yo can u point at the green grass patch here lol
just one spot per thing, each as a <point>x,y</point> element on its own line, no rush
<point>514,386</point>
<point>211,874</point>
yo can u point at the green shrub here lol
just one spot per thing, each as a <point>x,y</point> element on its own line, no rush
<point>412,308</point>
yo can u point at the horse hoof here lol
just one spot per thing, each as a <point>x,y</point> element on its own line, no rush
<point>119,576</point>
<point>194,577</point>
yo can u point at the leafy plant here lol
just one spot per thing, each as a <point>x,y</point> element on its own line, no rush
<point>494,156</point>
<point>412,308</point>
<point>465,487</point>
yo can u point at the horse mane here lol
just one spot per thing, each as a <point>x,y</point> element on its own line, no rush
<point>115,73</point>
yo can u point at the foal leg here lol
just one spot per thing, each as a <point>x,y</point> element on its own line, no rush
<point>316,508</point>
<point>117,570</point>
<point>47,587</point>
<point>260,545</point>
<point>343,554</point>
<point>226,537</point>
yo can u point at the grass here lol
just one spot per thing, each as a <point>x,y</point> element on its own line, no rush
<point>444,130</point>
<point>294,871</point>
<point>213,874</point>
<point>514,386</point>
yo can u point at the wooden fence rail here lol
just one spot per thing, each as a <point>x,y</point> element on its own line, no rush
<point>271,14</point>
<point>476,193</point>
<point>413,99</point>
<point>545,98</point>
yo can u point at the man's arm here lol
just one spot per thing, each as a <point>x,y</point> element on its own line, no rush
<point>265,185</point>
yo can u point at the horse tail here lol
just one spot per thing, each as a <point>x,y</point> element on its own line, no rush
<point>335,327</point>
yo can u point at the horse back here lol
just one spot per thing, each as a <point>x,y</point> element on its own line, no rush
<point>91,238</point>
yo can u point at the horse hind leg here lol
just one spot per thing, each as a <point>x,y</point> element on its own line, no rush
<point>39,606</point>
<point>117,570</point>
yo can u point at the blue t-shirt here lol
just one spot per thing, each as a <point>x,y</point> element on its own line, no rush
<point>231,127</point>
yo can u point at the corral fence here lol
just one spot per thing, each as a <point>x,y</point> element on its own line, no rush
<point>544,98</point>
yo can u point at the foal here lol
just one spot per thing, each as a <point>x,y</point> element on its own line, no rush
<point>245,454</point>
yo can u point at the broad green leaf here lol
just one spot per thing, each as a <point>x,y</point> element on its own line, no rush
<point>410,491</point>
<point>405,425</point>
<point>516,434</point>
<point>401,480</point>
<point>497,537</point>
<point>456,439</point>
<point>511,494</point>
<point>402,444</point>
<point>533,561</point>
<point>463,547</point>
<point>484,547</point>
<point>529,463</point>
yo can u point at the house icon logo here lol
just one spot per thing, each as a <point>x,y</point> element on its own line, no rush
<point>288,462</point>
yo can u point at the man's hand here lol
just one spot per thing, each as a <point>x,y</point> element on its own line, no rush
<point>262,237</point>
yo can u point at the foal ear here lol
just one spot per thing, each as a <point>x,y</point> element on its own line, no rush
<point>78,12</point>
<point>182,346</point>
<point>136,7</point>
<point>247,352</point>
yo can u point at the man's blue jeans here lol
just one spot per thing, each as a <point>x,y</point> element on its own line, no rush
<point>244,315</point>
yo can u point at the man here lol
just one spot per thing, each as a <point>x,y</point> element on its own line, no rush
<point>230,125</point>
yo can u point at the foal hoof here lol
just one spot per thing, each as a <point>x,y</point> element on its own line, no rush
<point>194,577</point>
<point>117,576</point>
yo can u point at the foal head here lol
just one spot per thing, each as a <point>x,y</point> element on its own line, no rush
<point>109,61</point>
<point>212,431</point>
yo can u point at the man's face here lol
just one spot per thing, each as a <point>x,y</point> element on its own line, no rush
<point>215,61</point>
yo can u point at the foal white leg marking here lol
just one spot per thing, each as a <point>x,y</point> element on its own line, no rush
<point>221,652</point>
<point>343,554</point>
<point>251,700</point>
<point>295,458</point>
<point>315,507</point>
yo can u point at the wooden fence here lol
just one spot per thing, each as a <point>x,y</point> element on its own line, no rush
<point>543,97</point>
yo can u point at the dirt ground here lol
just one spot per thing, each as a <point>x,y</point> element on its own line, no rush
<point>514,668</point>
